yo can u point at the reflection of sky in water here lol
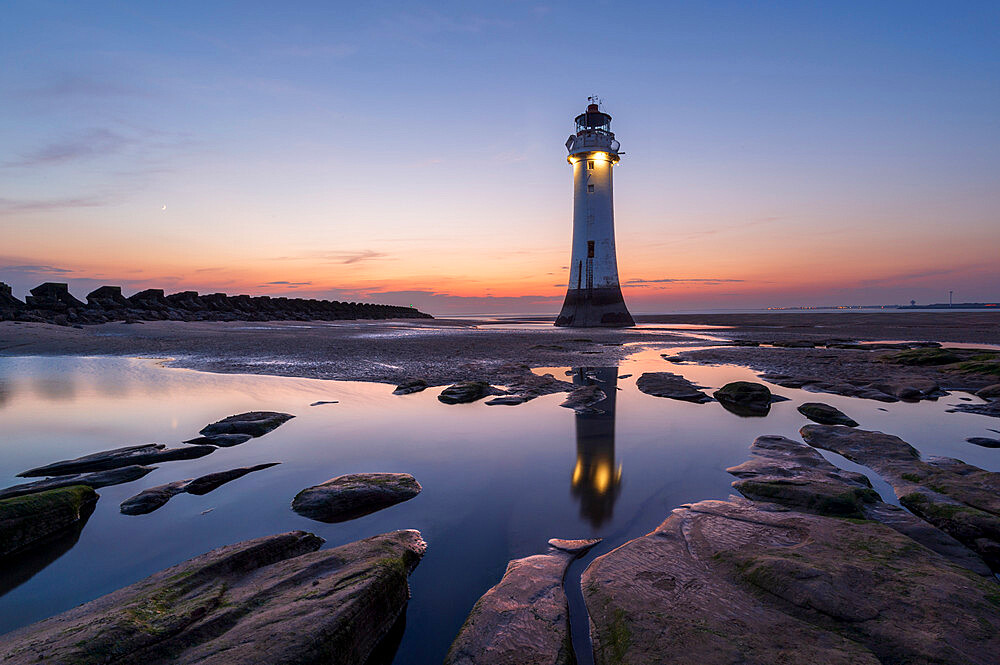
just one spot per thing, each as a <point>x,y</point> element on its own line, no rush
<point>498,481</point>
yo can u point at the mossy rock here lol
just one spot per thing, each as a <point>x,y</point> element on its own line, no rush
<point>32,519</point>
<point>923,357</point>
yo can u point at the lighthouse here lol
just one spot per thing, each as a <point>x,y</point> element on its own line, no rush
<point>594,296</point>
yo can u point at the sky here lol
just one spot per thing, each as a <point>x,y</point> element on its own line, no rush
<point>776,153</point>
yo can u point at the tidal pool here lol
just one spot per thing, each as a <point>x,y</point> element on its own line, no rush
<point>498,481</point>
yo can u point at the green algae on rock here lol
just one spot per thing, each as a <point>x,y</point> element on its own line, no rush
<point>274,600</point>
<point>32,519</point>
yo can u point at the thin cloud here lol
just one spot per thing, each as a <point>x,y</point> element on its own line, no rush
<point>93,143</point>
<point>77,85</point>
<point>288,284</point>
<point>37,269</point>
<point>676,280</point>
<point>12,206</point>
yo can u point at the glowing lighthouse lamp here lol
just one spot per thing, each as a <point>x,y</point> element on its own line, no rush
<point>594,297</point>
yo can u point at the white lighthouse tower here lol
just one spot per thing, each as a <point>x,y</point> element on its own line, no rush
<point>594,297</point>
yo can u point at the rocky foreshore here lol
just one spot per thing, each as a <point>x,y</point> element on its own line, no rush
<point>276,600</point>
<point>52,302</point>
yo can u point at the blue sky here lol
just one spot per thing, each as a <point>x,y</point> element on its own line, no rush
<point>799,153</point>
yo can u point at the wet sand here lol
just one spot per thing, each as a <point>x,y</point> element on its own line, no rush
<point>443,351</point>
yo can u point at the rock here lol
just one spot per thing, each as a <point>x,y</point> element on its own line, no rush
<point>722,582</point>
<point>150,499</point>
<point>794,344</point>
<point>354,495</point>
<point>524,619</point>
<point>988,409</point>
<point>960,499</point>
<point>909,390</point>
<point>794,475</point>
<point>577,547</point>
<point>521,382</point>
<point>507,400</point>
<point>410,386</point>
<point>825,414</point>
<point>94,480</point>
<point>923,357</point>
<point>989,392</point>
<point>272,600</point>
<point>983,441</point>
<point>466,391</point>
<point>253,423</point>
<point>584,399</point>
<point>667,384</point>
<point>222,440</point>
<point>30,520</point>
<point>744,398</point>
<point>212,481</point>
<point>117,458</point>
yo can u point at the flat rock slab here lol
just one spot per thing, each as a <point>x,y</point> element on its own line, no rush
<point>153,498</point>
<point>960,499</point>
<point>745,398</point>
<point>272,600</point>
<point>576,547</point>
<point>410,386</point>
<point>585,399</point>
<point>221,440</point>
<point>113,459</point>
<point>354,495</point>
<point>989,409</point>
<point>795,475</point>
<point>466,391</point>
<point>126,474</point>
<point>253,423</point>
<point>984,441</point>
<point>30,520</point>
<point>722,582</point>
<point>524,619</point>
<point>673,386</point>
<point>825,414</point>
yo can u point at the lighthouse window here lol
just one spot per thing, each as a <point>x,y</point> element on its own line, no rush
<point>590,165</point>
<point>590,188</point>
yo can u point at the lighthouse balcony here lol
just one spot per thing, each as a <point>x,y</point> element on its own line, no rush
<point>593,141</point>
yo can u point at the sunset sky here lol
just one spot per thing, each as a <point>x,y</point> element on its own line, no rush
<point>777,154</point>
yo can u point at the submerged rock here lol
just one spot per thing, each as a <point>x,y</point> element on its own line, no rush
<point>117,458</point>
<point>253,423</point>
<point>125,474</point>
<point>984,441</point>
<point>272,600</point>
<point>794,475</point>
<point>524,619</point>
<point>221,440</point>
<point>466,391</point>
<point>731,582</point>
<point>507,400</point>
<point>354,495</point>
<point>745,398</point>
<point>410,386</point>
<point>29,520</point>
<point>668,384</point>
<point>150,499</point>
<point>825,414</point>
<point>960,499</point>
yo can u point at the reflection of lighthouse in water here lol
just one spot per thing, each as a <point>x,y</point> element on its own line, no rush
<point>596,476</point>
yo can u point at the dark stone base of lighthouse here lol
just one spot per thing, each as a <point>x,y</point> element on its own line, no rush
<point>595,308</point>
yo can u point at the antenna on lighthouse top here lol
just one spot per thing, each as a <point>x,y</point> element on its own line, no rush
<point>595,100</point>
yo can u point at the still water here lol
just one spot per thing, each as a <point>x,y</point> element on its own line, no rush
<point>498,481</point>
